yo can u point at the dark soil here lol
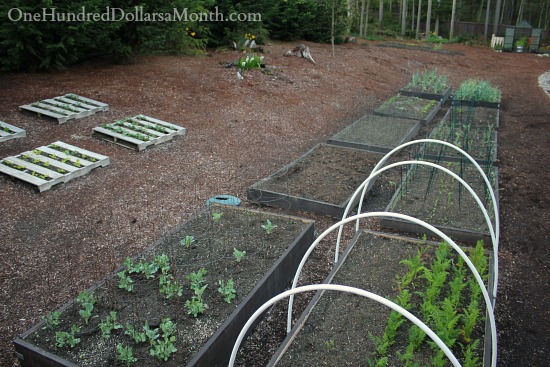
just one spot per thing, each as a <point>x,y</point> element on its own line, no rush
<point>59,242</point>
<point>409,107</point>
<point>340,328</point>
<point>212,250</point>
<point>436,197</point>
<point>377,132</point>
<point>329,174</point>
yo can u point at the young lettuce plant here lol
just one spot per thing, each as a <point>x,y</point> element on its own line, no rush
<point>227,289</point>
<point>238,255</point>
<point>269,227</point>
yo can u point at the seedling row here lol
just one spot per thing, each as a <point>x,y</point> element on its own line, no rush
<point>8,132</point>
<point>67,107</point>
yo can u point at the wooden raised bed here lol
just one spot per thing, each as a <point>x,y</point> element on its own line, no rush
<point>474,103</point>
<point>265,270</point>
<point>376,133</point>
<point>321,181</point>
<point>49,165</point>
<point>67,107</point>
<point>138,132</point>
<point>441,97</point>
<point>436,198</point>
<point>335,328</point>
<point>414,108</point>
<point>8,132</point>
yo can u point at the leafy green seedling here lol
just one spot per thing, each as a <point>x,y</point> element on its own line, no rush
<point>329,344</point>
<point>217,216</point>
<point>87,301</point>
<point>269,227</point>
<point>125,282</point>
<point>137,336</point>
<point>187,241</point>
<point>125,354</point>
<point>52,320</point>
<point>227,289</point>
<point>238,255</point>
<point>110,323</point>
<point>196,306</point>
<point>65,339</point>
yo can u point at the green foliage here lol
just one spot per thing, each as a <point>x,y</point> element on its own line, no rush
<point>478,90</point>
<point>187,241</point>
<point>238,255</point>
<point>138,337</point>
<point>269,227</point>
<point>217,216</point>
<point>125,354</point>
<point>169,286</point>
<point>125,282</point>
<point>67,339</point>
<point>227,289</point>
<point>109,324</point>
<point>52,320</point>
<point>196,306</point>
<point>87,301</point>
<point>162,347</point>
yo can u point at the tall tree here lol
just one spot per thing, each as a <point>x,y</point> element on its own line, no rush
<point>453,16</point>
<point>520,11</point>
<point>428,18</point>
<point>487,19</point>
<point>361,17</point>
<point>404,17</point>
<point>496,17</point>
<point>418,19</point>
<point>381,12</point>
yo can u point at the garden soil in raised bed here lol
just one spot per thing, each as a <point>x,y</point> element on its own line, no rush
<point>212,249</point>
<point>349,322</point>
<point>57,243</point>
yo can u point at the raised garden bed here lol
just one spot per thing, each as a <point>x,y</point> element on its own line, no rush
<point>414,92</point>
<point>67,107</point>
<point>49,165</point>
<point>437,198</point>
<point>376,133</point>
<point>321,181</point>
<point>474,103</point>
<point>477,93</point>
<point>220,234</point>
<point>478,140</point>
<point>339,329</point>
<point>8,132</point>
<point>138,132</point>
<point>428,85</point>
<point>475,115</point>
<point>407,107</point>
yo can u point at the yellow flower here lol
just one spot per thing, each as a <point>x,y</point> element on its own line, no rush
<point>193,34</point>
<point>186,29</point>
<point>253,37</point>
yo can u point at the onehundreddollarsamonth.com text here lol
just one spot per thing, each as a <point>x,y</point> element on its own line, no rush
<point>137,14</point>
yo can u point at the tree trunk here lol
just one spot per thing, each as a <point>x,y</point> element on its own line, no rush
<point>367,18</point>
<point>361,18</point>
<point>480,12</point>
<point>487,19</point>
<point>437,18</point>
<point>418,19</point>
<point>413,13</point>
<point>520,12</point>
<point>404,17</point>
<point>381,12</point>
<point>453,15</point>
<point>428,18</point>
<point>332,28</point>
<point>496,18</point>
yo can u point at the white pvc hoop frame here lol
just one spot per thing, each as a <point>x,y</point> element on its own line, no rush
<point>445,238</point>
<point>341,288</point>
<point>495,234</point>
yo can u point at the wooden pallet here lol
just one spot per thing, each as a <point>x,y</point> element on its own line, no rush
<point>49,165</point>
<point>138,132</point>
<point>8,132</point>
<point>67,107</point>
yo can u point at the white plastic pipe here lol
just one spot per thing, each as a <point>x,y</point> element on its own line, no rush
<point>445,238</point>
<point>347,289</point>
<point>363,187</point>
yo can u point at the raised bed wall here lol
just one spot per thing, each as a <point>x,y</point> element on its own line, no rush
<point>441,97</point>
